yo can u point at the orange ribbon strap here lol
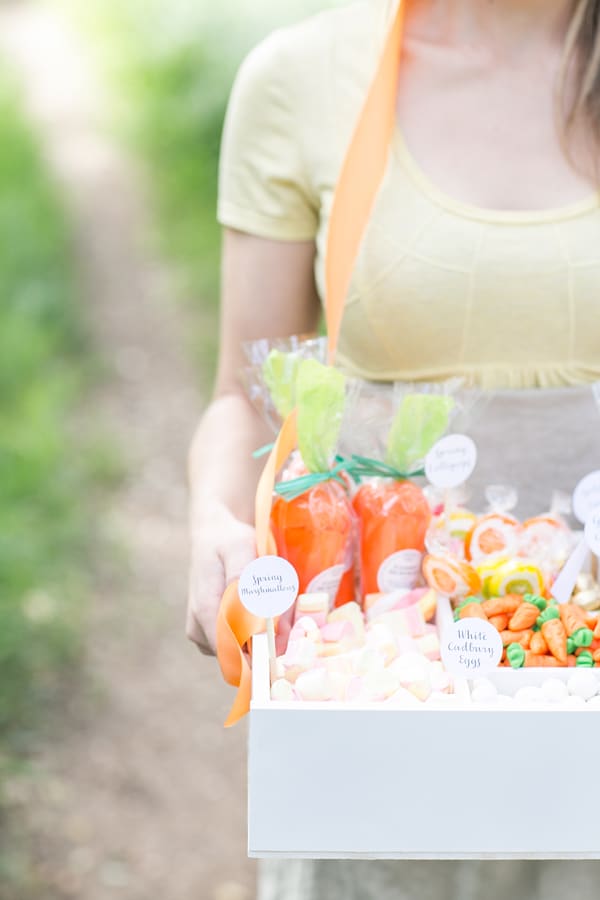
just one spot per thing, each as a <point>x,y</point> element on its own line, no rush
<point>235,625</point>
<point>359,181</point>
<point>360,178</point>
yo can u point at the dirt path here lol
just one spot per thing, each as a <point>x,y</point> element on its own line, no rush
<point>141,794</point>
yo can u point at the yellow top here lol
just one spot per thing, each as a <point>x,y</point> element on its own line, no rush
<point>440,288</point>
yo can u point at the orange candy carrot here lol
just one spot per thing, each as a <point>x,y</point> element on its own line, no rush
<point>507,605</point>
<point>525,616</point>
<point>500,622</point>
<point>393,518</point>
<point>555,635</point>
<point>517,637</point>
<point>538,644</point>
<point>314,532</point>
<point>472,611</point>
<point>540,659</point>
<point>573,617</point>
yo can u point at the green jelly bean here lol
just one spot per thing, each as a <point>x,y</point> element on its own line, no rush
<point>551,612</point>
<point>585,659</point>
<point>583,637</point>
<point>515,655</point>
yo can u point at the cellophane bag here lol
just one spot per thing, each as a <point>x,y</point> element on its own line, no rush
<point>392,508</point>
<point>312,520</point>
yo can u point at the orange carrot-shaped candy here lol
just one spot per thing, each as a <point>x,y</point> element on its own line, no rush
<point>596,656</point>
<point>591,621</point>
<point>500,622</point>
<point>555,635</point>
<point>517,637</point>
<point>496,606</point>
<point>472,611</point>
<point>538,644</point>
<point>571,660</point>
<point>572,617</point>
<point>597,629</point>
<point>525,616</point>
<point>540,659</point>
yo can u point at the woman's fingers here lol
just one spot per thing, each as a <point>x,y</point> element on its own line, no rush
<point>219,555</point>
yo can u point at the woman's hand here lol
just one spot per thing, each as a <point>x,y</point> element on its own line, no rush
<point>221,547</point>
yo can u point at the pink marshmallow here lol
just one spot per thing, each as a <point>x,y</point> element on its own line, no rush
<point>409,599</point>
<point>414,620</point>
<point>337,631</point>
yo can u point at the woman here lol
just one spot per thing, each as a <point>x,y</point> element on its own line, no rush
<point>481,258</point>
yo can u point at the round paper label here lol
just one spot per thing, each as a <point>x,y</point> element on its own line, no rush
<point>451,461</point>
<point>400,570</point>
<point>471,647</point>
<point>327,582</point>
<point>592,531</point>
<point>586,496</point>
<point>268,586</point>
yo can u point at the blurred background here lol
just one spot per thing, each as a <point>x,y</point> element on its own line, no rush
<point>116,776</point>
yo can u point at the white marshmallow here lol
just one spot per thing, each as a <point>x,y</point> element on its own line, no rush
<point>380,685</point>
<point>282,690</point>
<point>583,683</point>
<point>484,691</point>
<point>315,684</point>
<point>554,690</point>
<point>528,695</point>
<point>368,659</point>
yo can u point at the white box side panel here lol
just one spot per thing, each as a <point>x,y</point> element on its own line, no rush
<point>422,784</point>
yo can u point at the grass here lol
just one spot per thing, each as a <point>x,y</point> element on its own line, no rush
<point>174,65</point>
<point>44,470</point>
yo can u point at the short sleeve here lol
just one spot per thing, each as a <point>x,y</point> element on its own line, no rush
<point>264,186</point>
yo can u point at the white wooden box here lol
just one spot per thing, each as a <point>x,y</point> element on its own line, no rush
<point>330,780</point>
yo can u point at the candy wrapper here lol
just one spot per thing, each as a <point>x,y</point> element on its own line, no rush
<point>270,376</point>
<point>312,519</point>
<point>392,510</point>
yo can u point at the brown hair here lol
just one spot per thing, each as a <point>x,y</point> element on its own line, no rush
<point>580,92</point>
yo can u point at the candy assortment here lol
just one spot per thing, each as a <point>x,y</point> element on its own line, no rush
<point>389,654</point>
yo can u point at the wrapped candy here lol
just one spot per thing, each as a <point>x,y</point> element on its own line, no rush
<point>312,519</point>
<point>314,532</point>
<point>393,512</point>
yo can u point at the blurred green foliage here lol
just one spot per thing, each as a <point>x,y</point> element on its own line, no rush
<point>174,65</point>
<point>42,473</point>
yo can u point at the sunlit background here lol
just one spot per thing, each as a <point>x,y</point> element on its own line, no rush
<point>116,777</point>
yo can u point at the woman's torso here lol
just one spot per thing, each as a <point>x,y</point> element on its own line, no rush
<point>505,297</point>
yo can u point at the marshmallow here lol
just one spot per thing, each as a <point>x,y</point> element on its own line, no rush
<point>583,683</point>
<point>376,604</point>
<point>529,695</point>
<point>315,684</point>
<point>368,659</point>
<point>429,645</point>
<point>554,690</point>
<point>314,606</point>
<point>350,612</point>
<point>282,690</point>
<point>380,685</point>
<point>337,631</point>
<point>395,621</point>
<point>484,691</point>
<point>381,637</point>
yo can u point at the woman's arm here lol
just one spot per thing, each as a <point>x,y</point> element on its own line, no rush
<point>268,290</point>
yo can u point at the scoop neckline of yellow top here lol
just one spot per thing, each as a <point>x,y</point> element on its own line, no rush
<point>483,214</point>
